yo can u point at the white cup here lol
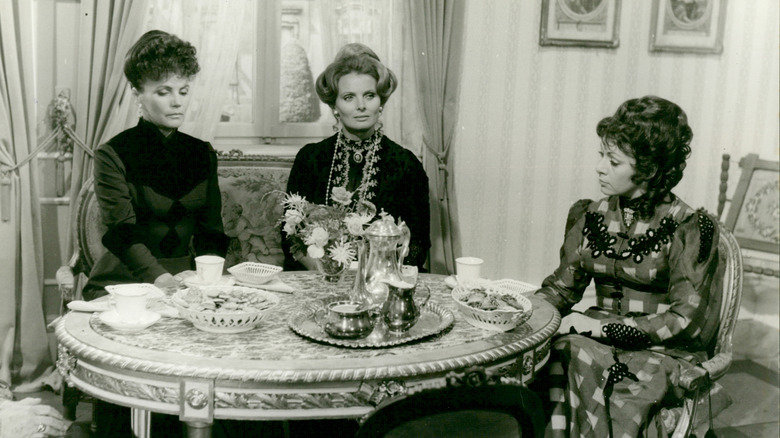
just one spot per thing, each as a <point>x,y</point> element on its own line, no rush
<point>468,267</point>
<point>409,274</point>
<point>129,302</point>
<point>209,268</point>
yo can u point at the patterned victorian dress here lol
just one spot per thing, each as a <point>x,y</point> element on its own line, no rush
<point>655,276</point>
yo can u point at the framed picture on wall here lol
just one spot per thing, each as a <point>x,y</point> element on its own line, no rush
<point>584,23</point>
<point>693,26</point>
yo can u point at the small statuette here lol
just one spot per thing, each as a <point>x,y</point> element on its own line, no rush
<point>196,399</point>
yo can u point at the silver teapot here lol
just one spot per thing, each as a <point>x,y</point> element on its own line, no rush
<point>386,245</point>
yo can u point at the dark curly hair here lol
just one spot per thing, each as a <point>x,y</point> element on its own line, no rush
<point>158,55</point>
<point>655,132</point>
<point>355,58</point>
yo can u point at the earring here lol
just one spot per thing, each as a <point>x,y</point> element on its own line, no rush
<point>140,110</point>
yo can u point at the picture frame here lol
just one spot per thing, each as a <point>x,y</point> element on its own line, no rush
<point>582,23</point>
<point>688,26</point>
<point>752,216</point>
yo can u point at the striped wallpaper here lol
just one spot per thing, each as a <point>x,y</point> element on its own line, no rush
<point>526,145</point>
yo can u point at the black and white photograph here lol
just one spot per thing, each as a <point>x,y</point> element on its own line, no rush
<point>389,218</point>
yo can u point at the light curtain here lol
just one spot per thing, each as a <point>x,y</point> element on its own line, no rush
<point>104,105</point>
<point>436,29</point>
<point>24,347</point>
<point>212,27</point>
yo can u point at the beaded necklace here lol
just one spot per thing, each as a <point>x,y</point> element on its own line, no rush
<point>359,150</point>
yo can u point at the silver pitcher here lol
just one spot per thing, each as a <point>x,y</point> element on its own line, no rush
<point>387,243</point>
<point>401,311</point>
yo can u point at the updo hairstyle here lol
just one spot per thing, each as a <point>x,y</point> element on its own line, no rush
<point>655,132</point>
<point>158,55</point>
<point>355,58</point>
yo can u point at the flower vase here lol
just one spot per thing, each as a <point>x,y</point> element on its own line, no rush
<point>330,269</point>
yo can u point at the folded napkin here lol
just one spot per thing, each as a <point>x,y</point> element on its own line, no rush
<point>155,305</point>
<point>274,285</point>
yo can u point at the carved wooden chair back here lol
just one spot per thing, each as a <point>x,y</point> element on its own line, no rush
<point>730,287</point>
<point>453,411</point>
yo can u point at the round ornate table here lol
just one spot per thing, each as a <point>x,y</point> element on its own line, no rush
<point>271,373</point>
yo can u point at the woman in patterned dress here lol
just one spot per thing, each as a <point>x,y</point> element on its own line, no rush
<point>652,259</point>
<point>359,158</point>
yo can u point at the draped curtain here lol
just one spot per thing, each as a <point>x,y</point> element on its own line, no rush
<point>24,347</point>
<point>104,106</point>
<point>436,29</point>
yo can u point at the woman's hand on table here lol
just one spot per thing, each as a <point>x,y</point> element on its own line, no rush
<point>581,324</point>
<point>29,418</point>
<point>166,282</point>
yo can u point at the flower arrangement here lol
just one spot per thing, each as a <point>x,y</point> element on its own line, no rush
<point>327,231</point>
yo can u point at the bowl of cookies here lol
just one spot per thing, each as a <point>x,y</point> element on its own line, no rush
<point>224,309</point>
<point>493,305</point>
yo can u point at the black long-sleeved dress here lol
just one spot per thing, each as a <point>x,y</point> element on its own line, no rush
<point>401,190</point>
<point>159,198</point>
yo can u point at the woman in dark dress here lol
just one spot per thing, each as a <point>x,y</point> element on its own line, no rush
<point>156,187</point>
<point>159,197</point>
<point>359,157</point>
<point>653,259</point>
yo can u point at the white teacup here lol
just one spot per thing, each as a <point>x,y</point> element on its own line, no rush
<point>209,268</point>
<point>468,268</point>
<point>129,302</point>
<point>409,274</point>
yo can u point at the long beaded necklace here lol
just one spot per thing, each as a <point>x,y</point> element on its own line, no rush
<point>339,167</point>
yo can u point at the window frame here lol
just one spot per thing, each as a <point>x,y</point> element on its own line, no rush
<point>266,128</point>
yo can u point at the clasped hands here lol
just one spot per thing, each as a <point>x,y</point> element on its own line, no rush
<point>581,324</point>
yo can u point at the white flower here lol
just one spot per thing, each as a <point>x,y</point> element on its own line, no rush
<point>319,236</point>
<point>289,228</point>
<point>341,195</point>
<point>294,201</point>
<point>342,252</point>
<point>315,252</point>
<point>356,223</point>
<point>293,217</point>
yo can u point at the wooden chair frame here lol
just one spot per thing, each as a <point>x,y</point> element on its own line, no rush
<point>697,381</point>
<point>751,165</point>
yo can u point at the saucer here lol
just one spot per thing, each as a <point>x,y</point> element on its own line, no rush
<point>112,319</point>
<point>195,281</point>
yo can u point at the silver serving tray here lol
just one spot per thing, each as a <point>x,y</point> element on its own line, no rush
<point>434,319</point>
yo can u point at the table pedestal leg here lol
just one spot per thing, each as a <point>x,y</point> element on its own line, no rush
<point>140,421</point>
<point>197,429</point>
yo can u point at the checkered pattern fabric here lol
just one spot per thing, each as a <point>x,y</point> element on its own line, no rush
<point>655,276</point>
<point>578,375</point>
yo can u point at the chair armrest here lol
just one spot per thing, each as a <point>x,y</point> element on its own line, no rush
<point>65,282</point>
<point>710,370</point>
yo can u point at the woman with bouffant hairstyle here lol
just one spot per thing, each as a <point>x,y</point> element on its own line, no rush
<point>359,158</point>
<point>156,187</point>
<point>652,259</point>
